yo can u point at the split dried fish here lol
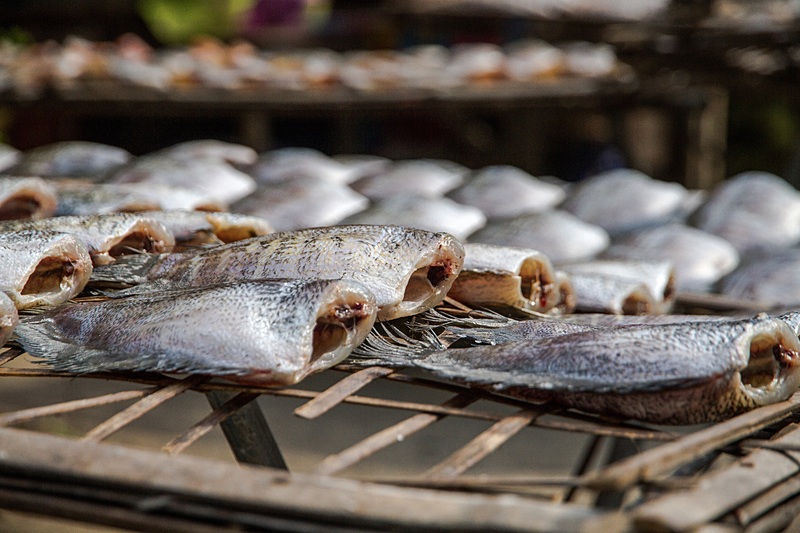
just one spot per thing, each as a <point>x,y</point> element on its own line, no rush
<point>417,177</point>
<point>105,236</point>
<point>559,235</point>
<point>231,153</point>
<point>81,198</point>
<point>302,202</point>
<point>9,318</point>
<point>9,156</point>
<point>272,332</point>
<point>24,198</point>
<point>686,373</point>
<point>505,276</point>
<point>289,163</point>
<point>407,270</point>
<point>42,268</point>
<point>624,199</point>
<point>193,228</point>
<point>700,258</point>
<point>657,276</point>
<point>771,280</point>
<point>595,293</point>
<point>70,158</point>
<point>506,191</point>
<point>431,214</point>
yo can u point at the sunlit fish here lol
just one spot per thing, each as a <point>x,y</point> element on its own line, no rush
<point>234,154</point>
<point>657,276</point>
<point>595,293</point>
<point>363,165</point>
<point>432,214</point>
<point>559,235</point>
<point>24,198</point>
<point>624,199</point>
<point>771,280</point>
<point>506,191</point>
<point>214,178</point>
<point>77,197</point>
<point>753,210</point>
<point>42,268</point>
<point>269,332</point>
<point>302,202</point>
<point>407,270</point>
<point>505,276</point>
<point>419,177</point>
<point>686,373</point>
<point>699,258</point>
<point>279,165</point>
<point>70,158</point>
<point>192,228</point>
<point>105,236</point>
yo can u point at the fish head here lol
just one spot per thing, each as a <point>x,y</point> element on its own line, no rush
<point>772,372</point>
<point>433,275</point>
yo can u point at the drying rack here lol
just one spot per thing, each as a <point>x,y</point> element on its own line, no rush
<point>742,474</point>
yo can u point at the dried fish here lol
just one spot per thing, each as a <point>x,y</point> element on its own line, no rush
<point>505,276</point>
<point>685,373</point>
<point>559,235</point>
<point>105,236</point>
<point>657,276</point>
<point>624,199</point>
<point>215,179</point>
<point>287,163</point>
<point>742,210</point>
<point>9,156</point>
<point>432,214</point>
<point>407,270</point>
<point>81,198</point>
<point>567,299</point>
<point>596,293</point>
<point>506,191</point>
<point>268,332</point>
<point>417,177</point>
<point>700,258</point>
<point>42,268</point>
<point>766,279</point>
<point>70,158</point>
<point>302,202</point>
<point>192,228</point>
<point>25,198</point>
<point>9,318</point>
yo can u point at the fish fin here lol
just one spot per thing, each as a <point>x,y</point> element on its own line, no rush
<point>483,318</point>
<point>387,345</point>
<point>126,271</point>
<point>37,336</point>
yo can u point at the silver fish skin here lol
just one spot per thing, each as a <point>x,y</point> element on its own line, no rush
<point>699,258</point>
<point>408,270</point>
<point>753,211</point>
<point>505,276</point>
<point>657,276</point>
<point>70,158</point>
<point>767,279</point>
<point>267,332</point>
<point>231,153</point>
<point>596,293</point>
<point>431,214</point>
<point>625,199</point>
<point>192,228</point>
<point>42,268</point>
<point>215,179</point>
<point>559,235</point>
<point>105,236</point>
<point>81,198</point>
<point>289,163</point>
<point>418,177</point>
<point>302,202</point>
<point>9,318</point>
<point>686,373</point>
<point>23,198</point>
<point>9,156</point>
<point>504,191</point>
<point>363,165</point>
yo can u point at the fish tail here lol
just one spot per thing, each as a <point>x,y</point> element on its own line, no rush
<point>387,345</point>
<point>126,271</point>
<point>34,335</point>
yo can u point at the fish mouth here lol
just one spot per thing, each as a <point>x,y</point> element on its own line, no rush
<point>538,285</point>
<point>339,327</point>
<point>142,238</point>
<point>22,207</point>
<point>773,367</point>
<point>428,284</point>
<point>639,302</point>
